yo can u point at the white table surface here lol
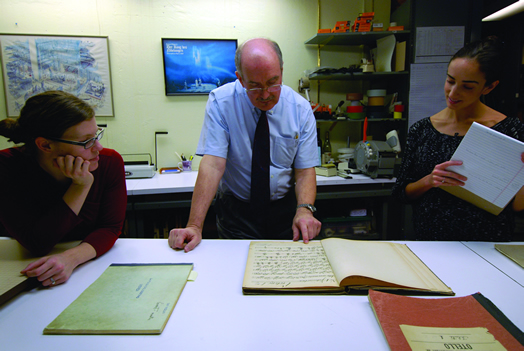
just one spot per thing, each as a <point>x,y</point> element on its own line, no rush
<point>185,182</point>
<point>182,182</point>
<point>487,251</point>
<point>212,313</point>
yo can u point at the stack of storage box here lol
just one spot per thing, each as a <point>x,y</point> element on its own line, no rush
<point>363,22</point>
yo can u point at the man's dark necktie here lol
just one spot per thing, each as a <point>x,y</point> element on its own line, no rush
<point>260,170</point>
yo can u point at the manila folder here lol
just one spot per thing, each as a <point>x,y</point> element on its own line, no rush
<point>125,299</point>
<point>513,252</point>
<point>14,258</point>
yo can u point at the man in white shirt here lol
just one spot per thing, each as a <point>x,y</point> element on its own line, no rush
<point>226,144</point>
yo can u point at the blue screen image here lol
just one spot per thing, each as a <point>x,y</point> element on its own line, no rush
<point>197,66</point>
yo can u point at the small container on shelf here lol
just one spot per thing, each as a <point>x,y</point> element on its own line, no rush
<point>397,111</point>
<point>355,110</point>
<point>376,97</point>
<point>376,108</point>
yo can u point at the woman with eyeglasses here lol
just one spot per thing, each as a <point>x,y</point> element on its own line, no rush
<point>60,185</point>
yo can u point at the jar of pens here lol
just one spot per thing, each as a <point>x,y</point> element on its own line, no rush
<point>185,164</point>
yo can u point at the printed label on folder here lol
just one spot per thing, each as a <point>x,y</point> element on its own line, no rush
<point>437,339</point>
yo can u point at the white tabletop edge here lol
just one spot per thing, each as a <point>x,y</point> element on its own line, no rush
<point>185,182</point>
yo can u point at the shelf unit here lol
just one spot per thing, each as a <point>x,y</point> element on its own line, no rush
<point>398,81</point>
<point>357,39</point>
<point>392,82</point>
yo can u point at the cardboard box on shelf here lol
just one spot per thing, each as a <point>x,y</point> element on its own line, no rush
<point>378,27</point>
<point>341,30</point>
<point>367,20</point>
<point>395,28</point>
<point>362,27</point>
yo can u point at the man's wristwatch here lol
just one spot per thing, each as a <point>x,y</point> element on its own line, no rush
<point>308,206</point>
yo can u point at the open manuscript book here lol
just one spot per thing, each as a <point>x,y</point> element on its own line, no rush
<point>336,266</point>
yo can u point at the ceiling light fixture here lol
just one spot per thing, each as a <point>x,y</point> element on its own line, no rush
<point>508,11</point>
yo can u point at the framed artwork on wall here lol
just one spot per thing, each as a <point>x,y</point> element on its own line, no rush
<point>32,64</point>
<point>197,66</point>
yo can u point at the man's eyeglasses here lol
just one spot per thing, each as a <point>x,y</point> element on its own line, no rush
<point>271,89</point>
<point>89,143</point>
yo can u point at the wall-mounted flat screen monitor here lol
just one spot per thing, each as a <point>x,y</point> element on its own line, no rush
<point>197,66</point>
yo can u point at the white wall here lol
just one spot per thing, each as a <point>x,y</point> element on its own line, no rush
<point>135,29</point>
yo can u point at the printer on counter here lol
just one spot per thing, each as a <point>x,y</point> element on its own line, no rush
<point>138,166</point>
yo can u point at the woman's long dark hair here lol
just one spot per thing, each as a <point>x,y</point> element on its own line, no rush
<point>489,55</point>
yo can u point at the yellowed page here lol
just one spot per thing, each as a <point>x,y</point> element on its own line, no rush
<point>387,262</point>
<point>491,162</point>
<point>287,265</point>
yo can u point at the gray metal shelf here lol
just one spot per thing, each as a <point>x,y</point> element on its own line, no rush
<point>353,38</point>
<point>357,75</point>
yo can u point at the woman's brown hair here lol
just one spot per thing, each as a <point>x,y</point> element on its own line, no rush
<point>48,114</point>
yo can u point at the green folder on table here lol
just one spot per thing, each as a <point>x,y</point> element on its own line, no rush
<point>125,299</point>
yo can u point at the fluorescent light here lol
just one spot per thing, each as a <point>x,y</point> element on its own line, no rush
<point>508,11</point>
